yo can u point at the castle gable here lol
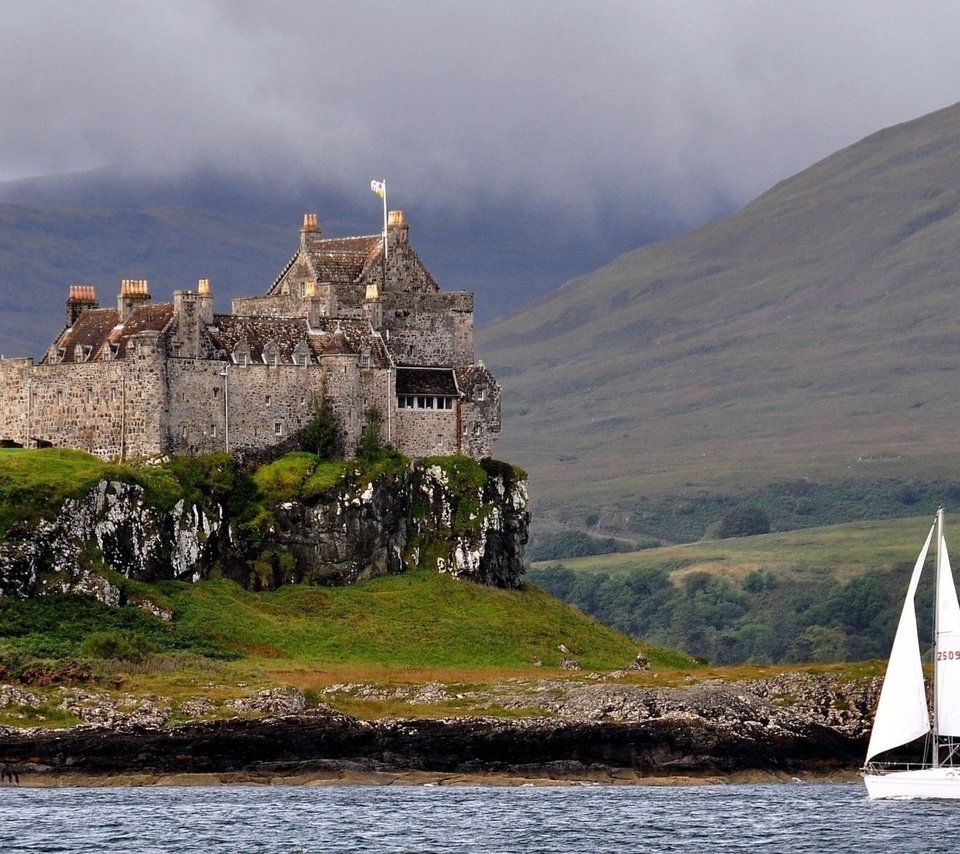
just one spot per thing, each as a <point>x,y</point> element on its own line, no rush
<point>338,261</point>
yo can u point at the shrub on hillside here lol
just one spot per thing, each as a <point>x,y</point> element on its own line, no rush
<point>744,521</point>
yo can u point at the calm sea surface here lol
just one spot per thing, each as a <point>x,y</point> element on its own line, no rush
<point>784,818</point>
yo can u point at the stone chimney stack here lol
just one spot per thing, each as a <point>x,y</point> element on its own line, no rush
<point>133,294</point>
<point>397,229</point>
<point>80,298</point>
<point>310,231</point>
<point>206,301</point>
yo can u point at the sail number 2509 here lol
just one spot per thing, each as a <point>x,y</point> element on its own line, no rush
<point>948,655</point>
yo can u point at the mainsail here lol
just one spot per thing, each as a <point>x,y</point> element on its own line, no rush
<point>902,712</point>
<point>948,650</point>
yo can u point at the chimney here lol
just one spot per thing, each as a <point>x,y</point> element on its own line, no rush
<point>310,231</point>
<point>397,229</point>
<point>133,294</point>
<point>79,299</point>
<point>206,301</point>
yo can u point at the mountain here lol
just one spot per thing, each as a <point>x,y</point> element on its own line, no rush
<point>812,334</point>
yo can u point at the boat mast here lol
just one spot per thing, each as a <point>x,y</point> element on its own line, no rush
<point>935,731</point>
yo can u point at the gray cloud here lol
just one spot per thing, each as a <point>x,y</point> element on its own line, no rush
<point>599,108</point>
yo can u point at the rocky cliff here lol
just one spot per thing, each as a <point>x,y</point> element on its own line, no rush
<point>452,514</point>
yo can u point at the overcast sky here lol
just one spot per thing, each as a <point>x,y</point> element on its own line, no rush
<point>595,106</point>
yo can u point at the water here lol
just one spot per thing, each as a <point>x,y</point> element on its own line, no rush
<point>783,818</point>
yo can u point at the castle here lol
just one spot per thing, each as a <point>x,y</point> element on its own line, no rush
<point>357,322</point>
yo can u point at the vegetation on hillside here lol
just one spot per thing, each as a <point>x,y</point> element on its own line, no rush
<point>831,594</point>
<point>783,505</point>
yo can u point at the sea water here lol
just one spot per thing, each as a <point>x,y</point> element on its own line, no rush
<point>778,817</point>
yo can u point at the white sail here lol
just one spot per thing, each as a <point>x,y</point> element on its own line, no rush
<point>902,712</point>
<point>948,649</point>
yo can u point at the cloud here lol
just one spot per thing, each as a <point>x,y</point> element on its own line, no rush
<point>597,109</point>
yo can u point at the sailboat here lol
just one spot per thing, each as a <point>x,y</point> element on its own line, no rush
<point>902,713</point>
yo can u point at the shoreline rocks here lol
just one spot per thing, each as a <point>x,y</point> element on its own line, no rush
<point>603,730</point>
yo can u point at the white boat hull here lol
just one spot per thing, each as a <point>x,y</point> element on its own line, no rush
<point>922,783</point>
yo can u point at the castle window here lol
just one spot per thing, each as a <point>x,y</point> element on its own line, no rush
<point>482,394</point>
<point>364,360</point>
<point>277,428</point>
<point>59,397</point>
<point>183,431</point>
<point>271,354</point>
<point>177,350</point>
<point>241,353</point>
<point>113,394</point>
<point>213,430</point>
<point>267,400</point>
<point>216,392</point>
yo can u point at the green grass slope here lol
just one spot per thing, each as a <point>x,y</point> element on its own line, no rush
<point>809,335</point>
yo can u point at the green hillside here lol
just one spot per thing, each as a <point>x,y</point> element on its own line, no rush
<point>224,642</point>
<point>821,594</point>
<point>809,336</point>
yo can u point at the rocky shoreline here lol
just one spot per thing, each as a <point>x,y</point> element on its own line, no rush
<point>792,725</point>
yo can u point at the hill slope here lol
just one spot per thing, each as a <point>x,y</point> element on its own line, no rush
<point>810,334</point>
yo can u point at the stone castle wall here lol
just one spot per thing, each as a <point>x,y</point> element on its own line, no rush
<point>108,408</point>
<point>429,328</point>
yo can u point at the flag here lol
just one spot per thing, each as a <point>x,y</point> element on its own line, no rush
<point>380,188</point>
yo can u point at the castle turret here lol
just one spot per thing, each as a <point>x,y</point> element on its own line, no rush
<point>80,298</point>
<point>133,294</point>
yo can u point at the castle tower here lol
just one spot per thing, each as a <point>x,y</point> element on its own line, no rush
<point>133,294</point>
<point>80,298</point>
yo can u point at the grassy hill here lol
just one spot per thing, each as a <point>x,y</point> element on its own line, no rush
<point>224,642</point>
<point>821,594</point>
<point>215,638</point>
<point>811,336</point>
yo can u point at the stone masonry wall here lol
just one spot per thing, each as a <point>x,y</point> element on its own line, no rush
<point>108,408</point>
<point>426,432</point>
<point>429,329</point>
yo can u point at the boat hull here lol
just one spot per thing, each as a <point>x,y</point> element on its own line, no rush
<point>922,783</point>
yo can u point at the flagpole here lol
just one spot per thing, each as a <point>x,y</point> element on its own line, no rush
<point>386,251</point>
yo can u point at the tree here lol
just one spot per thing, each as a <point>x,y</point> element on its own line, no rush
<point>322,434</point>
<point>744,521</point>
<point>370,445</point>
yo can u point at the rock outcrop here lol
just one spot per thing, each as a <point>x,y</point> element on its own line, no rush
<point>452,514</point>
<point>113,528</point>
<point>704,730</point>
